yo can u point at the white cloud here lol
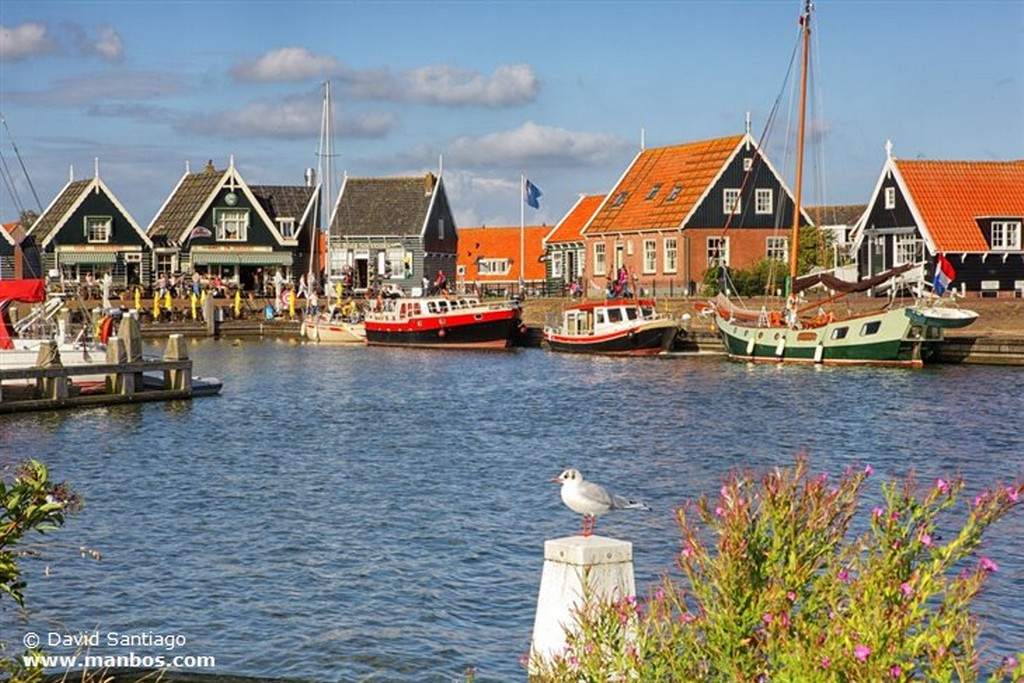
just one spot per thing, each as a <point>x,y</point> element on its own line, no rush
<point>532,145</point>
<point>446,85</point>
<point>291,118</point>
<point>95,88</point>
<point>27,40</point>
<point>108,45</point>
<point>287,64</point>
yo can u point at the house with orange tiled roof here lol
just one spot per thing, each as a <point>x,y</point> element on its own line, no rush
<point>492,260</point>
<point>678,211</point>
<point>565,246</point>
<point>971,211</point>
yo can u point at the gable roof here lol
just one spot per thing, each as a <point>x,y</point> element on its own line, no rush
<point>379,206</point>
<point>503,242</point>
<point>56,215</point>
<point>691,166</point>
<point>186,203</point>
<point>949,196</point>
<point>7,232</point>
<point>287,201</point>
<point>839,214</point>
<point>570,228</point>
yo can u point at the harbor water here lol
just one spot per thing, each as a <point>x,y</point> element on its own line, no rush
<point>364,514</point>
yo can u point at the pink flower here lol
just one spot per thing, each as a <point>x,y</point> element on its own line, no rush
<point>1012,494</point>
<point>869,470</point>
<point>895,671</point>
<point>861,653</point>
<point>687,551</point>
<point>687,618</point>
<point>906,589</point>
<point>942,485</point>
<point>784,620</point>
<point>843,575</point>
<point>792,596</point>
<point>988,565</point>
<point>659,594</point>
<point>926,540</point>
<point>825,662</point>
<point>719,511</point>
<point>876,513</point>
<point>767,618</point>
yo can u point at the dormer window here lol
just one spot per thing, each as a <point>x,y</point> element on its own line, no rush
<point>619,198</point>
<point>1006,235</point>
<point>98,229</point>
<point>674,193</point>
<point>287,227</point>
<point>653,192</point>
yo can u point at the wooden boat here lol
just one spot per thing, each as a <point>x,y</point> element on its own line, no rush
<point>456,322</point>
<point>941,316</point>
<point>332,327</point>
<point>814,331</point>
<point>618,327</point>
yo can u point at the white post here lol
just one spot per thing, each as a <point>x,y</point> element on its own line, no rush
<point>604,565</point>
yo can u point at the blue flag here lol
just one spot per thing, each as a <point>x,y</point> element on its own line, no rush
<point>533,195</point>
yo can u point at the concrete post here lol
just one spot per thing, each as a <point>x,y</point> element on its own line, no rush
<point>49,357</point>
<point>603,565</point>
<point>119,382</point>
<point>130,333</point>
<point>177,349</point>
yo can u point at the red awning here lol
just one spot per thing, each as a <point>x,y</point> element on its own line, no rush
<point>25,291</point>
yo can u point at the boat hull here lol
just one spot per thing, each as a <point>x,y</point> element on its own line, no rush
<point>946,318</point>
<point>885,338</point>
<point>491,329</point>
<point>645,339</point>
<point>333,332</point>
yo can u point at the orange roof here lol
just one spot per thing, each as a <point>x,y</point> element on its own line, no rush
<point>502,243</point>
<point>570,228</point>
<point>951,195</point>
<point>691,167</point>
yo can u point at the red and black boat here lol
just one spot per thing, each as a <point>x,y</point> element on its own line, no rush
<point>619,327</point>
<point>445,322</point>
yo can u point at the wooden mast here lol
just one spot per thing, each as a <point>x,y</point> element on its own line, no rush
<point>805,21</point>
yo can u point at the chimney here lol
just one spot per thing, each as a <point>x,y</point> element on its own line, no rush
<point>310,177</point>
<point>428,184</point>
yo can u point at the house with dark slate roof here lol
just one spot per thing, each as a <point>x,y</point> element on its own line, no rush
<point>85,231</point>
<point>971,211</point>
<point>392,231</point>
<point>215,223</point>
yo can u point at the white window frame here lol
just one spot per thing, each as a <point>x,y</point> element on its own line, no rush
<point>600,259</point>
<point>731,201</point>
<point>440,228</point>
<point>718,245</point>
<point>396,262</point>
<point>286,226</point>
<point>1006,235</point>
<point>557,264</point>
<point>890,198</point>
<point>650,265</point>
<point>671,254</point>
<point>227,218</point>
<point>98,229</point>
<point>907,248</point>
<point>493,266</point>
<point>764,201</point>
<point>774,245</point>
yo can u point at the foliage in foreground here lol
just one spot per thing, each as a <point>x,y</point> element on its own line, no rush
<point>788,593</point>
<point>28,502</point>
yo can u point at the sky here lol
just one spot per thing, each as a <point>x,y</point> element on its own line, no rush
<point>563,91</point>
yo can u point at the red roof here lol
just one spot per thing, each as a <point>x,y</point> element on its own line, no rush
<point>502,243</point>
<point>951,195</point>
<point>635,205</point>
<point>570,228</point>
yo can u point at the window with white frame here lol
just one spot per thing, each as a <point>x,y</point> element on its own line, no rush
<point>232,224</point>
<point>718,251</point>
<point>764,200</point>
<point>440,228</point>
<point>287,227</point>
<point>395,267</point>
<point>1006,235</point>
<point>98,228</point>
<point>650,256</point>
<point>907,249</point>
<point>731,200</point>
<point>600,262</point>
<point>890,198</point>
<point>671,256</point>
<point>557,261</point>
<point>777,248</point>
<point>493,266</point>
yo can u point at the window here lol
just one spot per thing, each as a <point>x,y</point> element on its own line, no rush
<point>395,263</point>
<point>890,198</point>
<point>731,200</point>
<point>840,332</point>
<point>868,329</point>
<point>557,260</point>
<point>619,198</point>
<point>907,249</point>
<point>763,201</point>
<point>650,256</point>
<point>287,227</point>
<point>600,265</point>
<point>671,255</point>
<point>674,193</point>
<point>654,191</point>
<point>748,163</point>
<point>232,224</point>
<point>718,251</point>
<point>98,228</point>
<point>777,248</point>
<point>493,266</point>
<point>440,228</point>
<point>1006,235</point>
<point>165,264</point>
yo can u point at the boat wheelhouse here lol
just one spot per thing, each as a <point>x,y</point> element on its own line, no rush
<point>619,327</point>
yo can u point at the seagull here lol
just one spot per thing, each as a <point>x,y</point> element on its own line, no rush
<point>590,499</point>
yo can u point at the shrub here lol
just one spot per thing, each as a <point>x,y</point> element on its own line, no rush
<point>779,588</point>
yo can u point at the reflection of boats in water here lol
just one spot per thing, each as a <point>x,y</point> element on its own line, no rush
<point>619,327</point>
<point>456,322</point>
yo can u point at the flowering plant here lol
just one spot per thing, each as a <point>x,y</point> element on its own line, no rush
<point>782,581</point>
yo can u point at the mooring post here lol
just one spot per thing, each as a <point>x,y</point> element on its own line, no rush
<point>48,356</point>
<point>119,382</point>
<point>177,349</point>
<point>596,566</point>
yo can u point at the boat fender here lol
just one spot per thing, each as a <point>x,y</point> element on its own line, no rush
<point>819,352</point>
<point>441,333</point>
<point>106,327</point>
<point>780,348</point>
<point>750,347</point>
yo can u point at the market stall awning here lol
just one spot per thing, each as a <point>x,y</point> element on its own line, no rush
<point>262,258</point>
<point>67,258</point>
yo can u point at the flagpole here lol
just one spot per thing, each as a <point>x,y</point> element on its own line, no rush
<point>522,230</point>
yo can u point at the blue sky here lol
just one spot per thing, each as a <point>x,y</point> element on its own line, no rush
<point>559,90</point>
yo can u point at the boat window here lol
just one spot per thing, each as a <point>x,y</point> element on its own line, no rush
<point>647,311</point>
<point>631,313</point>
<point>870,328</point>
<point>840,332</point>
<point>432,306</point>
<point>601,317</point>
<point>614,314</point>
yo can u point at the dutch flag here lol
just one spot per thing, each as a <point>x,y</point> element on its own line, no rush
<point>944,274</point>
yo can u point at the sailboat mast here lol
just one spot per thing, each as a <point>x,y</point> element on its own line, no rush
<point>805,22</point>
<point>325,187</point>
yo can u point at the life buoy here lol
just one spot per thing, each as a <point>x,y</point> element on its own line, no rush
<point>106,328</point>
<point>285,299</point>
<point>774,319</point>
